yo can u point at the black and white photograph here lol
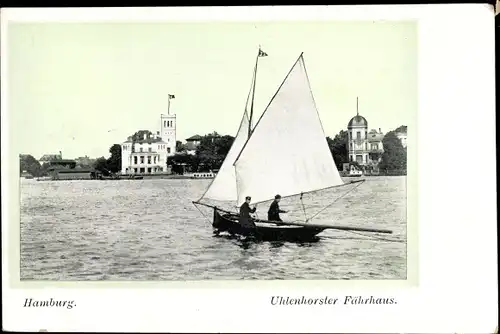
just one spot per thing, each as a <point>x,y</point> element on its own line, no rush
<point>201,151</point>
<point>169,169</point>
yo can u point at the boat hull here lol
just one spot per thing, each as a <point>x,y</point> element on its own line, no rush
<point>264,231</point>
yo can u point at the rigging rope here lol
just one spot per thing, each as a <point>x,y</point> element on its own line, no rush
<point>317,213</point>
<point>196,206</point>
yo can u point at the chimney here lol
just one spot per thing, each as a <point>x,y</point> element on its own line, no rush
<point>380,130</point>
<point>157,133</point>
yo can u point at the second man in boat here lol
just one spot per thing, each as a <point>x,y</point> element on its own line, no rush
<point>274,210</point>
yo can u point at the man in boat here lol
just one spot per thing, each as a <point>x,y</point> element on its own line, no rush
<point>274,210</point>
<point>245,211</point>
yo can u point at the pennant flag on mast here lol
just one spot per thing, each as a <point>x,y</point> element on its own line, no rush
<point>170,96</point>
<point>262,53</point>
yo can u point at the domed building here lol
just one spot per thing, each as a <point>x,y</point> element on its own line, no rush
<point>363,147</point>
<point>357,129</point>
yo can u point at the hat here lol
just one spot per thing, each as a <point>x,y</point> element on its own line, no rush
<point>247,198</point>
<point>277,197</point>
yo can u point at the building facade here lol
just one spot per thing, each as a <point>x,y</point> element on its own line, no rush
<point>357,143</point>
<point>192,143</point>
<point>148,153</point>
<point>364,147</point>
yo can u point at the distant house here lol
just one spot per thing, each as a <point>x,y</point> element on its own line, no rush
<point>192,143</point>
<point>50,157</point>
<point>84,162</point>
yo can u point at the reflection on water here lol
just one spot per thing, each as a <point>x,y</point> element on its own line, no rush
<point>149,230</point>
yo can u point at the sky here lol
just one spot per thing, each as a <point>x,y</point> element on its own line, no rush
<point>81,87</point>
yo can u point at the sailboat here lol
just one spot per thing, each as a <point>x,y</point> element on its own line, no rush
<point>286,152</point>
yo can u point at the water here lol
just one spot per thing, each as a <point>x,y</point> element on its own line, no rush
<point>149,230</point>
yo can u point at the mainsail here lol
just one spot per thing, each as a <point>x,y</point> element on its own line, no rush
<point>287,152</point>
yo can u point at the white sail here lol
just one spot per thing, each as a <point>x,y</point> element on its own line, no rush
<point>287,153</point>
<point>223,187</point>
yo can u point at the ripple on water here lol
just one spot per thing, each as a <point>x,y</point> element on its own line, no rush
<point>148,230</point>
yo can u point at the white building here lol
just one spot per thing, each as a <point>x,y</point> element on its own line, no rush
<point>148,153</point>
<point>357,144</point>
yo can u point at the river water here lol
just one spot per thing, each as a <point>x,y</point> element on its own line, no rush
<point>149,230</point>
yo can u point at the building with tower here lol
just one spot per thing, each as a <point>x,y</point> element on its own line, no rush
<point>363,147</point>
<point>146,152</point>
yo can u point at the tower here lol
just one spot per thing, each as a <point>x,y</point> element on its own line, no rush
<point>167,132</point>
<point>358,138</point>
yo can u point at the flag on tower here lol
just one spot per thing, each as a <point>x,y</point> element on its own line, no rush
<point>262,53</point>
<point>170,96</point>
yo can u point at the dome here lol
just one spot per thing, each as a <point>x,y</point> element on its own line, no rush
<point>358,121</point>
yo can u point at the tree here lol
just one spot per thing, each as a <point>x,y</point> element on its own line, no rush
<point>401,129</point>
<point>28,163</point>
<point>139,135</point>
<point>101,164</point>
<point>179,146</point>
<point>114,163</point>
<point>394,157</point>
<point>338,147</point>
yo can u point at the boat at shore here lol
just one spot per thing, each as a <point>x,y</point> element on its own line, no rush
<point>273,157</point>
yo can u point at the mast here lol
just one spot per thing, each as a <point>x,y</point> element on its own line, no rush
<point>253,92</point>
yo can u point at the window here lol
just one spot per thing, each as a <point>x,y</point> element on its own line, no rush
<point>135,162</point>
<point>366,134</point>
<point>149,170</point>
<point>164,124</point>
<point>149,160</point>
<point>150,149</point>
<point>358,135</point>
<point>140,149</point>
<point>135,170</point>
<point>142,159</point>
<point>154,159</point>
<point>168,149</point>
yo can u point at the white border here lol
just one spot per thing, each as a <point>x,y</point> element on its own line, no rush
<point>457,205</point>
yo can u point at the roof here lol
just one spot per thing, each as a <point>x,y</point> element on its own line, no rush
<point>373,135</point>
<point>48,157</point>
<point>193,138</point>
<point>358,121</point>
<point>147,141</point>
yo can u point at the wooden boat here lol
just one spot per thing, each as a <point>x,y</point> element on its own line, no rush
<point>265,230</point>
<point>286,152</point>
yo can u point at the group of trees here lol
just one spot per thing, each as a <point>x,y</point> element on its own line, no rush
<point>213,148</point>
<point>393,158</point>
<point>338,147</point>
<point>111,165</point>
<point>29,164</point>
<point>209,155</point>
